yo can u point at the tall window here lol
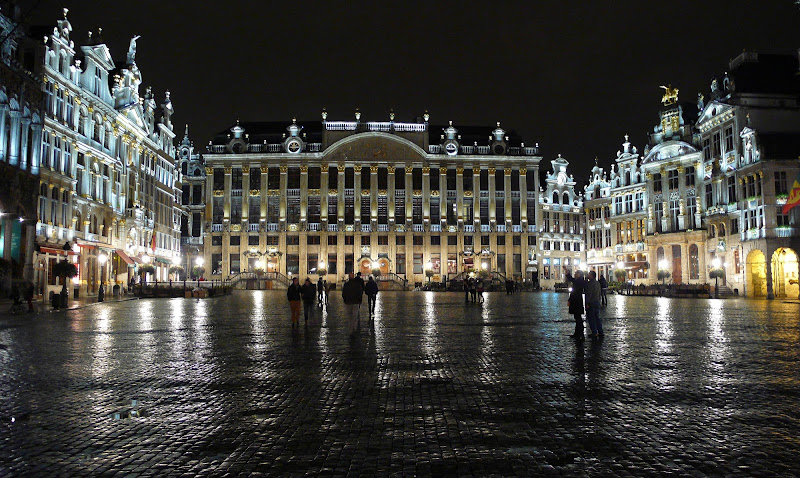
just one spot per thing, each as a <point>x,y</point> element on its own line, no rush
<point>658,210</point>
<point>691,210</point>
<point>657,182</point>
<point>729,139</point>
<point>674,209</point>
<point>781,186</point>
<point>709,196</point>
<point>365,209</point>
<point>694,262</point>
<point>731,189</point>
<point>690,176</point>
<point>672,179</point>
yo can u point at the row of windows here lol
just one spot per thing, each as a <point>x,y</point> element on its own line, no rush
<point>382,240</point>
<point>382,177</point>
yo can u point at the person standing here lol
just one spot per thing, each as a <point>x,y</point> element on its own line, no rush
<point>479,290</point>
<point>473,291</point>
<point>371,289</point>
<point>329,287</point>
<point>294,294</point>
<point>309,294</point>
<point>351,293</point>
<point>320,292</point>
<point>593,305</point>
<point>576,301</point>
<point>466,290</point>
<point>603,290</point>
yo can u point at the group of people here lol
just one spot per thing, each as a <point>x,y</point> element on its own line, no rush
<point>29,290</point>
<point>595,292</point>
<point>473,289</point>
<point>353,292</point>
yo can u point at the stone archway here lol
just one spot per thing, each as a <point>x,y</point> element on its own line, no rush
<point>756,274</point>
<point>785,273</point>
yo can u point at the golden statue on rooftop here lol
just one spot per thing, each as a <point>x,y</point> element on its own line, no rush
<point>670,95</point>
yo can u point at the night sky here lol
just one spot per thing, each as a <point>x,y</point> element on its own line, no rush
<point>572,76</point>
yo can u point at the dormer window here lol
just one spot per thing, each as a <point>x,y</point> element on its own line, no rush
<point>98,80</point>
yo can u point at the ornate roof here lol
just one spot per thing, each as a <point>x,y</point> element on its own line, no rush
<point>668,150</point>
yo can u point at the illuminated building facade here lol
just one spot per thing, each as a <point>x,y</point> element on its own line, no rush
<point>416,201</point>
<point>109,194</point>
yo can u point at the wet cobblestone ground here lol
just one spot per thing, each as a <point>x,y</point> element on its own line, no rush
<point>435,387</point>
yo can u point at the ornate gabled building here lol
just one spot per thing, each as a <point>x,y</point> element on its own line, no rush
<point>672,168</point>
<point>750,136</point>
<point>110,193</point>
<point>597,212</point>
<point>414,200</point>
<point>561,241</point>
<point>193,197</point>
<point>21,101</point>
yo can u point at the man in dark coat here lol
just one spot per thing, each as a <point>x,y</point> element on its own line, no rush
<point>603,290</point>
<point>320,291</point>
<point>309,292</point>
<point>352,294</point>
<point>294,295</point>
<point>371,289</point>
<point>576,301</point>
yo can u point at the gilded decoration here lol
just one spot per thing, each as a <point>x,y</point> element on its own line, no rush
<point>332,192</point>
<point>236,227</point>
<point>340,168</point>
<point>391,169</point>
<point>284,169</point>
<point>443,170</point>
<point>435,193</point>
<point>460,170</point>
<point>264,169</point>
<point>426,170</point>
<point>508,171</point>
<point>218,193</point>
<point>255,192</point>
<point>274,192</point>
<point>228,169</point>
<point>324,168</point>
<point>313,192</point>
<point>382,192</point>
<point>365,192</point>
<point>417,193</point>
<point>303,168</point>
<point>492,171</point>
<point>373,169</point>
<point>467,194</point>
<point>523,171</point>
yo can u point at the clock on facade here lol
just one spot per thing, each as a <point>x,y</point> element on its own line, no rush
<point>293,146</point>
<point>451,148</point>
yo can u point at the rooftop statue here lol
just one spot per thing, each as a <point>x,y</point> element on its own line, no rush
<point>670,95</point>
<point>132,50</point>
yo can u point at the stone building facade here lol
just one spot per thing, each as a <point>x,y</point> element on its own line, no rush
<point>415,201</point>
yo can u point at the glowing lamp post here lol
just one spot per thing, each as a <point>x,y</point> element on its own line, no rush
<point>663,274</point>
<point>429,272</point>
<point>321,268</point>
<point>716,272</point>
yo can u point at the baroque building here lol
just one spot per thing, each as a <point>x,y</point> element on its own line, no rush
<point>416,201</point>
<point>109,193</point>
<point>21,103</point>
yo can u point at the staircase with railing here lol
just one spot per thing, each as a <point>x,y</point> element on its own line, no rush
<point>392,281</point>
<point>252,280</point>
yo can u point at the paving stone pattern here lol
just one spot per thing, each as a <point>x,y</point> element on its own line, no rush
<point>171,387</point>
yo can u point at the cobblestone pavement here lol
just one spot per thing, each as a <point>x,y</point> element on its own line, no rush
<point>163,387</point>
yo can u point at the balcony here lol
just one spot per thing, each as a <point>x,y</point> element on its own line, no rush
<point>272,227</point>
<point>501,228</point>
<point>485,228</point>
<point>366,228</point>
<point>469,228</point>
<point>383,228</point>
<point>333,227</point>
<point>531,227</point>
<point>418,228</point>
<point>313,226</point>
<point>436,228</point>
<point>216,228</point>
<point>252,227</point>
<point>516,228</point>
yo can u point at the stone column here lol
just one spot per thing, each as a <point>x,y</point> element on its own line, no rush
<point>373,193</point>
<point>264,196</point>
<point>209,201</point>
<point>768,260</point>
<point>227,195</point>
<point>390,198</point>
<point>13,147</point>
<point>409,193</point>
<point>304,194</point>
<point>460,196</point>
<point>23,156</point>
<point>357,197</point>
<point>340,198</point>
<point>245,196</point>
<point>37,149</point>
<point>282,215</point>
<point>323,197</point>
<point>3,140</point>
<point>476,194</point>
<point>426,197</point>
<point>492,201</point>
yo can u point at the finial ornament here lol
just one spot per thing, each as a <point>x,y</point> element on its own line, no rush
<point>358,115</point>
<point>426,116</point>
<point>391,114</point>
<point>324,114</point>
<point>626,137</point>
<point>132,50</point>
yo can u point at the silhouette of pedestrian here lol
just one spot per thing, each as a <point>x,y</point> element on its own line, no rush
<point>576,301</point>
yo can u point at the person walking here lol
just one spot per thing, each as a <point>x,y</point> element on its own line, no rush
<point>371,289</point>
<point>294,293</point>
<point>352,294</point>
<point>309,292</point>
<point>329,287</point>
<point>593,305</point>
<point>479,287</point>
<point>466,289</point>
<point>575,301</point>
<point>603,290</point>
<point>320,292</point>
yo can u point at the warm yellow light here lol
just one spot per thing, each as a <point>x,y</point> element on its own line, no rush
<point>716,263</point>
<point>102,259</point>
<point>198,261</point>
<point>662,264</point>
<point>620,265</point>
<point>145,259</point>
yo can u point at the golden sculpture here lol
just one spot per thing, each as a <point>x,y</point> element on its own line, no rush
<point>670,95</point>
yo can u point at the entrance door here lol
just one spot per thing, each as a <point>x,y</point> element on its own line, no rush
<point>677,273</point>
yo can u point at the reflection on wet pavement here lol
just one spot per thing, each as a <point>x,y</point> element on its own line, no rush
<point>431,386</point>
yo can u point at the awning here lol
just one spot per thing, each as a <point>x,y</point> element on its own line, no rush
<point>125,257</point>
<point>163,261</point>
<point>85,246</point>
<point>50,250</point>
<point>137,260</point>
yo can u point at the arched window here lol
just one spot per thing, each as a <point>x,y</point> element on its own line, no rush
<point>712,231</point>
<point>566,199</point>
<point>555,197</point>
<point>722,230</point>
<point>659,256</point>
<point>694,263</point>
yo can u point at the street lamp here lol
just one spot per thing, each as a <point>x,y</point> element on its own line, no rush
<point>198,261</point>
<point>102,259</point>
<point>663,274</point>
<point>429,272</point>
<point>716,272</point>
<point>321,268</point>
